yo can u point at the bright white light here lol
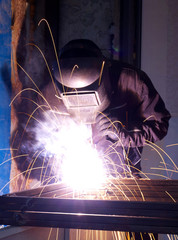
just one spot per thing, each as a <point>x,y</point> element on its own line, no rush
<point>82,168</point>
<point>79,82</point>
<point>77,161</point>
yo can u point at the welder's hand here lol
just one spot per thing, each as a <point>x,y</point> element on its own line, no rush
<point>106,126</point>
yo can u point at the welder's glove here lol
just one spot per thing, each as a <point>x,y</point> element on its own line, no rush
<point>106,126</point>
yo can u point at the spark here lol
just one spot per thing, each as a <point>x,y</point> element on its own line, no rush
<point>60,113</point>
<point>151,116</point>
<point>164,153</point>
<point>172,145</point>
<point>16,177</point>
<point>163,169</point>
<point>7,160</point>
<point>54,47</point>
<point>170,196</point>
<point>101,72</point>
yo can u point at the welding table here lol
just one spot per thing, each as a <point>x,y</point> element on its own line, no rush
<point>131,205</point>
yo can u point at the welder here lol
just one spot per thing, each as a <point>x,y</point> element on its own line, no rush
<point>118,100</point>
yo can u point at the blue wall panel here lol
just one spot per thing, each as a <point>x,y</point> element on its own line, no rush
<point>5,87</point>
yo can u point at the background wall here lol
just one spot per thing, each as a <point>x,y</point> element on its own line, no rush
<point>159,60</point>
<point>89,19</point>
<point>5,78</point>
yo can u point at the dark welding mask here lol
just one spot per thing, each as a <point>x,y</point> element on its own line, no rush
<point>81,80</point>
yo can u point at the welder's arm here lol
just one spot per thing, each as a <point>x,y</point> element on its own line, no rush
<point>151,126</point>
<point>154,117</point>
<point>151,131</point>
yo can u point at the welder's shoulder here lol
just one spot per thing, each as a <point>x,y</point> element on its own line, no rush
<point>121,65</point>
<point>129,72</point>
<point>118,66</point>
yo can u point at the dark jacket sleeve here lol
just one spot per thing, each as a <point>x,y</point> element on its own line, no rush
<point>148,118</point>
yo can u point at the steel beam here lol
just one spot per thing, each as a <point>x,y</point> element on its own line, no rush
<point>90,214</point>
<point>129,205</point>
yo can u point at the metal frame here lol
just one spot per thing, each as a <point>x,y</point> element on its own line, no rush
<point>109,215</point>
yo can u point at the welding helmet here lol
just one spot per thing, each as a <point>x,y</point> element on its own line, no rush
<point>80,79</point>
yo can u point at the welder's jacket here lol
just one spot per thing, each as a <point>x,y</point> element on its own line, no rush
<point>137,105</point>
<point>133,101</point>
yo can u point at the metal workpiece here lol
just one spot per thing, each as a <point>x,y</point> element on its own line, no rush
<point>113,215</point>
